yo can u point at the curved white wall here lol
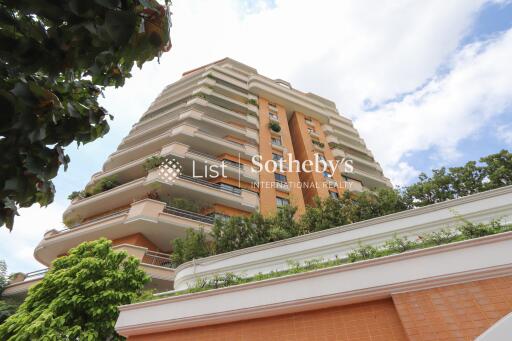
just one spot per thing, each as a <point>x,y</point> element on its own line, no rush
<point>336,242</point>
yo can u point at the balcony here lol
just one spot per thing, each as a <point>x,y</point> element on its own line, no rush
<point>195,116</point>
<point>20,284</point>
<point>184,133</point>
<point>185,186</point>
<point>189,215</point>
<point>154,219</point>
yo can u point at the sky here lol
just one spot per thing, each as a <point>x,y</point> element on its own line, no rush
<point>427,83</point>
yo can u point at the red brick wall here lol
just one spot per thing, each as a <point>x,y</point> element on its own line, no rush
<point>371,321</point>
<point>455,312</point>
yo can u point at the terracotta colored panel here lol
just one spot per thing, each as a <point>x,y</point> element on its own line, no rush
<point>136,239</point>
<point>454,312</point>
<point>371,321</point>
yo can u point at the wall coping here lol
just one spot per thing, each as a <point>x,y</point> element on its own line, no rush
<point>464,261</point>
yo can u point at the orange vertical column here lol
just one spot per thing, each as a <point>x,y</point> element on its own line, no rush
<point>268,192</point>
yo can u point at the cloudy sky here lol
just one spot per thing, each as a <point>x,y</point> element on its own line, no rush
<point>427,83</point>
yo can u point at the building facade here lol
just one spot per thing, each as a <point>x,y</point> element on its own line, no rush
<point>210,125</point>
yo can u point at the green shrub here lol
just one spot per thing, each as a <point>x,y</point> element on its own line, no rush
<point>102,185</point>
<point>437,238</point>
<point>76,194</point>
<point>318,143</point>
<point>274,126</point>
<point>252,101</point>
<point>194,245</point>
<point>153,162</point>
<point>185,204</point>
<point>362,252</point>
<point>399,245</point>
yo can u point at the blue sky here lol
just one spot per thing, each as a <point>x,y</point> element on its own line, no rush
<point>427,83</point>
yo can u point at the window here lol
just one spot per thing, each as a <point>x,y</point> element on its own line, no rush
<point>280,178</point>
<point>219,216</point>
<point>273,116</point>
<point>280,202</point>
<point>334,195</point>
<point>318,143</point>
<point>327,175</point>
<point>321,157</point>
<point>232,163</point>
<point>276,141</point>
<point>276,157</point>
<point>230,188</point>
<point>311,130</point>
<point>308,119</point>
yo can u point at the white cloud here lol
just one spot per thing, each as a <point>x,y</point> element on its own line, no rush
<point>505,133</point>
<point>17,247</point>
<point>447,109</point>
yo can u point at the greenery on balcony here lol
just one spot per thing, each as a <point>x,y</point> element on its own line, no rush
<point>318,143</point>
<point>252,101</point>
<point>396,245</point>
<point>101,185</point>
<point>335,145</point>
<point>185,204</point>
<point>274,126</point>
<point>153,162</point>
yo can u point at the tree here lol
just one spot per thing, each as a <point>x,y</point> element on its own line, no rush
<point>6,309</point>
<point>56,57</point>
<point>194,245</point>
<point>78,297</point>
<point>498,169</point>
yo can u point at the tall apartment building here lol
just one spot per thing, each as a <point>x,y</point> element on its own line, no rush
<point>218,115</point>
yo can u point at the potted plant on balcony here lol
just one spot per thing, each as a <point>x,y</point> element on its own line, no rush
<point>153,162</point>
<point>318,143</point>
<point>252,101</point>
<point>274,126</point>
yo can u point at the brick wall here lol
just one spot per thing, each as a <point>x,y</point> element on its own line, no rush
<point>371,321</point>
<point>455,312</point>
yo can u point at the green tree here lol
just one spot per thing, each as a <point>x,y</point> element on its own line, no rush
<point>326,214</point>
<point>498,169</point>
<point>6,309</point>
<point>78,297</point>
<point>194,245</point>
<point>56,57</point>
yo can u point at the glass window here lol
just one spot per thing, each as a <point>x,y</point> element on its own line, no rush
<point>280,202</point>
<point>308,119</point>
<point>276,141</point>
<point>276,157</point>
<point>273,116</point>
<point>334,195</point>
<point>280,178</point>
<point>327,174</point>
<point>321,157</point>
<point>311,130</point>
<point>230,188</point>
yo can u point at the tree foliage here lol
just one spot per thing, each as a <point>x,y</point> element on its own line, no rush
<point>236,233</point>
<point>492,171</point>
<point>56,57</point>
<point>193,245</point>
<point>78,297</point>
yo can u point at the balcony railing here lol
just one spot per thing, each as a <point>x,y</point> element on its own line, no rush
<point>157,258</point>
<point>187,214</point>
<point>234,190</point>
<point>37,273</point>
